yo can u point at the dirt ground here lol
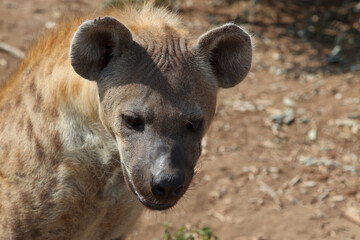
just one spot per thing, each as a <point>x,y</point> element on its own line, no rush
<point>281,160</point>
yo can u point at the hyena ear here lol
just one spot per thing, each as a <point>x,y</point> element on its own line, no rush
<point>95,42</point>
<point>229,51</point>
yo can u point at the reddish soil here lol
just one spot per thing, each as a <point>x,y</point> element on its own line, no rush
<point>266,173</point>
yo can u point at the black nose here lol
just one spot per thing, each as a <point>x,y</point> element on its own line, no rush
<point>166,186</point>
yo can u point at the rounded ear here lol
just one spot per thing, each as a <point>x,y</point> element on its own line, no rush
<point>95,42</point>
<point>229,51</point>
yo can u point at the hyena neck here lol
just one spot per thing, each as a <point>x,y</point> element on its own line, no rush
<point>49,87</point>
<point>78,104</point>
<point>73,94</point>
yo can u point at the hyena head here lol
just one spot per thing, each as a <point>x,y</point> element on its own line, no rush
<point>158,96</point>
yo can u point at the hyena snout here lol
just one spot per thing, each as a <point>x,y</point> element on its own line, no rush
<point>167,186</point>
<point>170,171</point>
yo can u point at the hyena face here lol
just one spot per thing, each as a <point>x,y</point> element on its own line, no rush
<point>158,96</point>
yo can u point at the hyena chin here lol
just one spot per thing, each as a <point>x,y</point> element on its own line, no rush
<point>106,116</point>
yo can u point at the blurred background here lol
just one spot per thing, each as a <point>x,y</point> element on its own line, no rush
<point>281,160</point>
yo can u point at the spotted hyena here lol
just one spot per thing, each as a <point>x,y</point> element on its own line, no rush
<point>106,116</point>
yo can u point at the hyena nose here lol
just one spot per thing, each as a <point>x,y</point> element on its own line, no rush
<point>166,186</point>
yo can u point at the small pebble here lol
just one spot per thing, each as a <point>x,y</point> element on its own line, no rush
<point>57,14</point>
<point>312,134</point>
<point>250,169</point>
<point>337,198</point>
<point>50,25</point>
<point>292,199</point>
<point>277,71</point>
<point>277,56</point>
<point>289,102</point>
<point>338,96</point>
<point>274,170</point>
<point>303,120</point>
<point>221,149</point>
<point>256,201</point>
<point>303,190</point>
<point>295,180</point>
<point>355,115</point>
<point>351,169</point>
<point>289,117</point>
<point>275,175</point>
<point>320,215</point>
<point>323,196</point>
<point>227,201</point>
<point>301,111</point>
<point>350,158</point>
<point>332,205</point>
<point>308,184</point>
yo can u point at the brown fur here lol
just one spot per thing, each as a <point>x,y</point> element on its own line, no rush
<point>65,159</point>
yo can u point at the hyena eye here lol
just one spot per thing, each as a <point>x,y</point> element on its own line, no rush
<point>194,126</point>
<point>133,122</point>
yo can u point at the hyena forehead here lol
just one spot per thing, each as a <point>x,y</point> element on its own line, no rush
<point>167,46</point>
<point>172,62</point>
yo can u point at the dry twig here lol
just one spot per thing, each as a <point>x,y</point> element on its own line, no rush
<point>12,50</point>
<point>353,214</point>
<point>268,190</point>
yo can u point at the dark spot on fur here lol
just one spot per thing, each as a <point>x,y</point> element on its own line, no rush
<point>6,149</point>
<point>20,175</point>
<point>44,196</point>
<point>18,100</point>
<point>52,183</point>
<point>39,150</point>
<point>19,164</point>
<point>55,231</point>
<point>67,220</point>
<point>29,220</point>
<point>5,107</point>
<point>32,87</point>
<point>20,124</point>
<point>53,113</point>
<point>17,224</point>
<point>29,129</point>
<point>35,233</point>
<point>50,205</point>
<point>56,142</point>
<point>100,194</point>
<point>5,224</point>
<point>25,198</point>
<point>38,102</point>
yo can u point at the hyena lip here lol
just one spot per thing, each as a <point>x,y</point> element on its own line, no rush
<point>146,203</point>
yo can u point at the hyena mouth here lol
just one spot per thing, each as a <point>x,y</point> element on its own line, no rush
<point>148,204</point>
<point>143,200</point>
